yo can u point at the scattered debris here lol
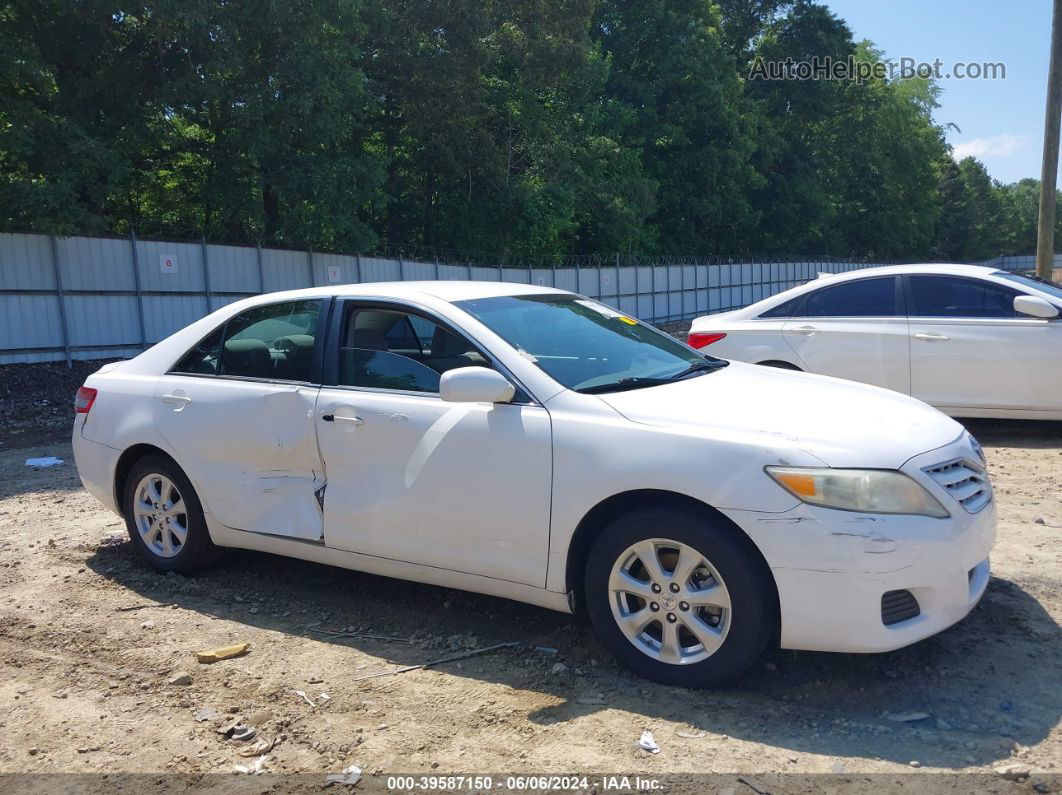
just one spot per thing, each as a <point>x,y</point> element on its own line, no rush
<point>45,462</point>
<point>647,743</point>
<point>754,785</point>
<point>558,668</point>
<point>306,698</point>
<point>591,699</point>
<point>243,733</point>
<point>255,768</point>
<point>136,607</point>
<point>205,714</point>
<point>914,763</point>
<point>439,661</point>
<point>690,735</point>
<point>350,775</point>
<point>88,749</point>
<point>332,634</point>
<point>546,649</point>
<point>180,678</point>
<point>905,717</point>
<point>149,624</point>
<point>224,653</point>
<point>259,746</point>
<point>1013,772</point>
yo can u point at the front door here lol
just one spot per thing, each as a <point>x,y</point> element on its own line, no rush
<point>459,486</point>
<point>970,349</point>
<point>237,410</point>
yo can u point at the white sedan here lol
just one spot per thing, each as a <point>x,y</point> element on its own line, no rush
<point>538,445</point>
<point>971,340</point>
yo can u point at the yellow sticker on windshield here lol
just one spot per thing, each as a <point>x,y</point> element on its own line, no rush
<point>630,321</point>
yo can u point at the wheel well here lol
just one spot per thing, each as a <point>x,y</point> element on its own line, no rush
<point>780,365</point>
<point>605,511</point>
<point>125,463</point>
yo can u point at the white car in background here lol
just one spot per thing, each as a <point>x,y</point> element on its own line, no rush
<point>540,446</point>
<point>973,341</point>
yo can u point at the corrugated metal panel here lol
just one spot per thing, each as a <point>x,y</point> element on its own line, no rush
<point>453,272</point>
<point>186,273</point>
<point>26,262</point>
<point>374,269</point>
<point>29,321</point>
<point>165,314</point>
<point>419,271</point>
<point>102,319</point>
<point>481,274</point>
<point>95,263</point>
<point>233,269</point>
<point>285,270</point>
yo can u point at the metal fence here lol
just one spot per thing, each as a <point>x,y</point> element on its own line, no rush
<point>64,298</point>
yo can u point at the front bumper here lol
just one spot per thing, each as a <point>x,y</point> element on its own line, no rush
<point>832,567</point>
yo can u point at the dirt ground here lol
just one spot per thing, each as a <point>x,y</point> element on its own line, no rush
<point>90,639</point>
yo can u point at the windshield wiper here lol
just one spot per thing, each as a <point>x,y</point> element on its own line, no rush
<point>699,367</point>
<point>634,382</point>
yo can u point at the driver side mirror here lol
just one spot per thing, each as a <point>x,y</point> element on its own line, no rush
<point>1035,307</point>
<point>475,385</point>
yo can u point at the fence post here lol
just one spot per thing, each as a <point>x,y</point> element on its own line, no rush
<point>436,268</point>
<point>309,265</point>
<point>206,274</point>
<point>357,267</point>
<point>261,272</point>
<point>618,301</point>
<point>468,264</point>
<point>62,301</point>
<point>401,268</point>
<point>500,274</point>
<point>554,276</point>
<point>139,292</point>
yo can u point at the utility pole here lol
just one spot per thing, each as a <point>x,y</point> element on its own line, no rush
<point>1045,237</point>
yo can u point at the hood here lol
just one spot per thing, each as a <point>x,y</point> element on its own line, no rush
<point>843,423</point>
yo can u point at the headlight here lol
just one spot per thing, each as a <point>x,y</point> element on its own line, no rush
<point>865,490</point>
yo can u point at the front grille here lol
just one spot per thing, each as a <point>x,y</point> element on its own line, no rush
<point>966,483</point>
<point>897,606</point>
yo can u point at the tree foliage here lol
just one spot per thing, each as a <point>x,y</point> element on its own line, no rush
<point>536,127</point>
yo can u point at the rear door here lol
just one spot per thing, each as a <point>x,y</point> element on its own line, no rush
<point>970,349</point>
<point>237,410</point>
<point>854,329</point>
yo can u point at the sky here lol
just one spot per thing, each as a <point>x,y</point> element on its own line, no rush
<point>1000,122</point>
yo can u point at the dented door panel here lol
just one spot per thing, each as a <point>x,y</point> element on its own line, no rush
<point>252,448</point>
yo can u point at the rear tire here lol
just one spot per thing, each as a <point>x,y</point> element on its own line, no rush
<point>164,517</point>
<point>698,616</point>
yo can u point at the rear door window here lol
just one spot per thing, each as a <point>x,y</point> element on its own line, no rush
<point>860,298</point>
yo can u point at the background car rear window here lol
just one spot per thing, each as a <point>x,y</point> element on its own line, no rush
<point>947,296</point>
<point>861,298</point>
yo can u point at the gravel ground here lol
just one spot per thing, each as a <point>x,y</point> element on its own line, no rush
<point>93,645</point>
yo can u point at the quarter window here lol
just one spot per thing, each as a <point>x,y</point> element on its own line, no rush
<point>790,308</point>
<point>947,296</point>
<point>859,298</point>
<point>391,349</point>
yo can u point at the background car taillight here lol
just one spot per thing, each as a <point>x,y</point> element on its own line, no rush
<point>699,340</point>
<point>83,402</point>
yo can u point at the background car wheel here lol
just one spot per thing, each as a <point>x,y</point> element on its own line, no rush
<point>678,598</point>
<point>164,517</point>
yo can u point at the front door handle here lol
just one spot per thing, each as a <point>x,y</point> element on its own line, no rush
<point>931,337</point>
<point>176,400</point>
<point>806,331</point>
<point>340,418</point>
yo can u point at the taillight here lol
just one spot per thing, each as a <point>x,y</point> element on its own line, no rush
<point>83,402</point>
<point>699,340</point>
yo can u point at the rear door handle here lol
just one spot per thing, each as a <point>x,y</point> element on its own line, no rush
<point>176,400</point>
<point>806,331</point>
<point>931,337</point>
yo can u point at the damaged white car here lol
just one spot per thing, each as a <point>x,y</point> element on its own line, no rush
<point>540,446</point>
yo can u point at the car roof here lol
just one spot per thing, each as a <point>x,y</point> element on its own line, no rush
<point>945,268</point>
<point>449,291</point>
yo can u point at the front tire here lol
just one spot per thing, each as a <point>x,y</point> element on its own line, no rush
<point>679,598</point>
<point>164,517</point>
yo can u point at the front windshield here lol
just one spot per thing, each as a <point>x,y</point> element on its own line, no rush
<point>586,345</point>
<point>1044,286</point>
